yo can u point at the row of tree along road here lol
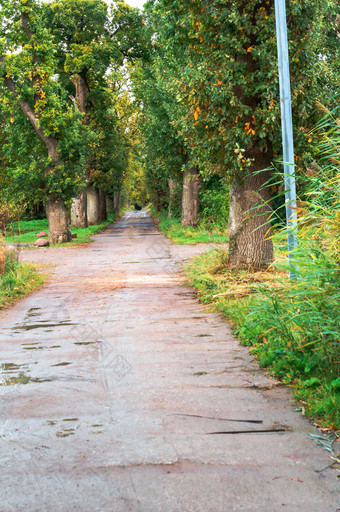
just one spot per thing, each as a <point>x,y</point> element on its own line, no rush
<point>65,106</point>
<point>183,95</point>
<point>210,96</point>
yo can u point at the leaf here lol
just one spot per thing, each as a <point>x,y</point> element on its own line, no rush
<point>197,113</point>
<point>335,384</point>
<point>311,383</point>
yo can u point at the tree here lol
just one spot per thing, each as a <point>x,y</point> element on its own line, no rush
<point>93,45</point>
<point>55,63</point>
<point>219,62</point>
<point>29,80</point>
<point>163,149</point>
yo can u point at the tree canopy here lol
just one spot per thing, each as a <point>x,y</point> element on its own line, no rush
<point>213,73</point>
<point>188,88</point>
<point>60,129</point>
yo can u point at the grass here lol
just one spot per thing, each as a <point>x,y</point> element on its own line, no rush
<point>29,230</point>
<point>291,327</point>
<point>187,235</point>
<point>18,280</point>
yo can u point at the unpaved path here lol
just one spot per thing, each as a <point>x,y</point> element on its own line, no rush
<point>124,394</point>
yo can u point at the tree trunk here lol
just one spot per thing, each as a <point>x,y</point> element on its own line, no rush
<point>172,187</point>
<point>93,208</point>
<point>250,244</point>
<point>102,206</point>
<point>191,186</point>
<point>79,211</point>
<point>81,93</point>
<point>116,202</point>
<point>58,222</point>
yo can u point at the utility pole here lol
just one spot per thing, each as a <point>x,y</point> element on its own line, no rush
<point>287,131</point>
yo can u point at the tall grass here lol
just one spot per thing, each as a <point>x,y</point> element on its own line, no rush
<point>16,279</point>
<point>293,326</point>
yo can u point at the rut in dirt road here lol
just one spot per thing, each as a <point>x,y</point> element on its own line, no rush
<point>120,392</point>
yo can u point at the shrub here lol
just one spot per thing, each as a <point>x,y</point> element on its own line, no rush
<point>214,202</point>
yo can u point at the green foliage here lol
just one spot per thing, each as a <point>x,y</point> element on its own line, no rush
<point>134,188</point>
<point>176,200</point>
<point>18,280</point>
<point>214,202</point>
<point>293,326</point>
<point>209,95</point>
<point>93,49</point>
<point>218,65</point>
<point>27,52</point>
<point>162,147</point>
<point>46,49</point>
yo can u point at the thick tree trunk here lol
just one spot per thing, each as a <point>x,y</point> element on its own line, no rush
<point>56,213</point>
<point>172,187</point>
<point>116,202</point>
<point>102,206</point>
<point>79,211</point>
<point>250,244</point>
<point>191,186</point>
<point>93,206</point>
<point>58,222</point>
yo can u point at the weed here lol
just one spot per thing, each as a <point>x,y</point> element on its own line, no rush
<point>291,327</point>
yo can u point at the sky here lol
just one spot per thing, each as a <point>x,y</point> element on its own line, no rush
<point>136,3</point>
<point>133,3</point>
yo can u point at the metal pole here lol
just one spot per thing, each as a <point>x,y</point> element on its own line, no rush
<point>287,130</point>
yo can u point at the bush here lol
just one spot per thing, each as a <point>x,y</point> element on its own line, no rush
<point>214,202</point>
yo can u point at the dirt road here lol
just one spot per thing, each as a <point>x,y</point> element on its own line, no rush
<point>120,392</point>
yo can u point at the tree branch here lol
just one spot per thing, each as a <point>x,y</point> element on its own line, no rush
<point>25,22</point>
<point>50,142</point>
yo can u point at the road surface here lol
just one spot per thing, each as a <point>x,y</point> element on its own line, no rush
<point>120,392</point>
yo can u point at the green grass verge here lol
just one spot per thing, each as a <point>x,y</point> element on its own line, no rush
<point>18,280</point>
<point>205,233</point>
<point>29,230</point>
<point>291,327</point>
